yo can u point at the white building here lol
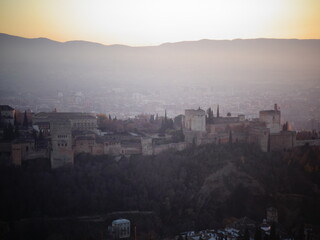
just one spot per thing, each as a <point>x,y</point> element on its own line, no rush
<point>121,228</point>
<point>195,120</point>
<point>272,119</point>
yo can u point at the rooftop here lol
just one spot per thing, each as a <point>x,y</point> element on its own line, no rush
<point>60,115</point>
<point>194,110</point>
<point>122,220</point>
<point>6,108</point>
<point>269,111</point>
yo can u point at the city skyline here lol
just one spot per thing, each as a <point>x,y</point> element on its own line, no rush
<point>140,23</point>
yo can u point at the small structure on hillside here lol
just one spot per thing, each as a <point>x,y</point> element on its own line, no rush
<point>272,215</point>
<point>121,228</point>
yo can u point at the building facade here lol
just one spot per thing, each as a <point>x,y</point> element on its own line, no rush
<point>195,120</point>
<point>61,143</point>
<point>121,228</point>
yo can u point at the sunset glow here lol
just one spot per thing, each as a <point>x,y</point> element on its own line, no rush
<point>150,22</point>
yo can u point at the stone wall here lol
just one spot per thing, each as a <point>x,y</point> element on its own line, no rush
<point>195,120</point>
<point>259,135</point>
<point>170,146</point>
<point>61,143</point>
<point>282,141</point>
<point>310,142</point>
<point>272,119</point>
<point>84,145</point>
<point>112,148</point>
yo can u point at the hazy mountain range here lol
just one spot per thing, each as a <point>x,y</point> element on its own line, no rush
<point>36,64</point>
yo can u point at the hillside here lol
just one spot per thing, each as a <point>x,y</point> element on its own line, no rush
<point>41,64</point>
<point>198,188</point>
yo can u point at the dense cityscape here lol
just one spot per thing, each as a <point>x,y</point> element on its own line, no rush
<point>122,102</point>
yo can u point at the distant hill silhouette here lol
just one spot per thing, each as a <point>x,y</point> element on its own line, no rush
<point>41,63</point>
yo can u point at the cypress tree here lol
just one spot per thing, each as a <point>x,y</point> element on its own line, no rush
<point>273,232</point>
<point>15,123</point>
<point>230,137</point>
<point>268,144</point>
<point>257,234</point>
<point>1,120</point>
<point>162,128</point>
<point>16,132</point>
<point>246,235</point>
<point>41,135</point>
<point>25,120</point>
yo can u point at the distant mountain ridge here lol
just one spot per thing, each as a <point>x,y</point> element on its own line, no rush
<point>44,63</point>
<point>11,37</point>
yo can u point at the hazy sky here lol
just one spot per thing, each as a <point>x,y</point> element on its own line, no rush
<point>152,22</point>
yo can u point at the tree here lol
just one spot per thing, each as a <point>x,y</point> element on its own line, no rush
<point>170,123</point>
<point>180,237</point>
<point>230,137</point>
<point>1,121</point>
<point>34,134</point>
<point>25,120</point>
<point>16,131</point>
<point>300,233</point>
<point>41,135</point>
<point>163,127</point>
<point>210,115</point>
<point>15,123</point>
<point>246,235</point>
<point>273,232</point>
<point>194,144</point>
<point>178,136</point>
<point>8,132</point>
<point>257,233</point>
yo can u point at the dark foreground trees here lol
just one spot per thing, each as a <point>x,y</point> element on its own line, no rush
<point>173,185</point>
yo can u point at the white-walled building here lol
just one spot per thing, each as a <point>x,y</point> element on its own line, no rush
<point>272,119</point>
<point>121,228</point>
<point>195,120</point>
